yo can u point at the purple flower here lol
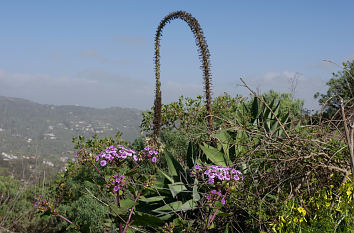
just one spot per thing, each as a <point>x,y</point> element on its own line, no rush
<point>116,188</point>
<point>211,181</point>
<point>227,176</point>
<point>223,201</point>
<point>236,177</point>
<point>213,191</point>
<point>219,194</point>
<point>103,163</point>
<point>154,159</point>
<point>135,158</point>
<point>36,204</point>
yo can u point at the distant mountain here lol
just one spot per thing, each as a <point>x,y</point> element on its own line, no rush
<point>28,128</point>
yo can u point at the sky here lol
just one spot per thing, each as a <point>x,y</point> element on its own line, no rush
<point>100,53</point>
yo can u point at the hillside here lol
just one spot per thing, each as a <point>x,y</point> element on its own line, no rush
<point>29,130</point>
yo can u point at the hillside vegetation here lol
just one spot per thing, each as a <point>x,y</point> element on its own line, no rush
<point>224,164</point>
<point>31,133</point>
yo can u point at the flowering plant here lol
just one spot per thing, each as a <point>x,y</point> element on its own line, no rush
<point>120,169</point>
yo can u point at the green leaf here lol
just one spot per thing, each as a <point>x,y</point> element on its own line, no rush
<point>45,216</point>
<point>226,228</point>
<point>196,196</point>
<point>144,219</point>
<point>165,175</point>
<point>174,206</point>
<point>189,205</point>
<point>226,140</point>
<point>174,167</point>
<point>192,154</point>
<point>125,205</point>
<point>223,214</point>
<point>213,154</point>
<point>176,188</point>
<point>166,217</point>
<point>152,199</point>
<point>255,109</point>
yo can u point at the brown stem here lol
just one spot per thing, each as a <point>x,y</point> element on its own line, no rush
<point>65,219</point>
<point>99,171</point>
<point>348,137</point>
<point>130,214</point>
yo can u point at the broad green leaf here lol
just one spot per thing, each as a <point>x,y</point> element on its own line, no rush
<point>152,199</point>
<point>255,109</point>
<point>226,140</point>
<point>213,154</point>
<point>176,188</point>
<point>189,205</point>
<point>192,154</point>
<point>125,205</point>
<point>45,216</point>
<point>174,206</point>
<point>144,219</point>
<point>166,217</point>
<point>196,196</point>
<point>174,167</point>
<point>165,175</point>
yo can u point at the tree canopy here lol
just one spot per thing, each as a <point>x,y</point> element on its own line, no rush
<point>341,85</point>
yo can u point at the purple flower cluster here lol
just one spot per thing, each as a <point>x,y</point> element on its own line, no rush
<point>216,173</point>
<point>214,196</point>
<point>147,153</point>
<point>117,182</point>
<point>112,153</point>
<point>41,203</point>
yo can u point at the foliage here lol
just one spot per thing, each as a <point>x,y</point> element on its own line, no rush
<point>17,212</point>
<point>341,85</point>
<point>329,209</point>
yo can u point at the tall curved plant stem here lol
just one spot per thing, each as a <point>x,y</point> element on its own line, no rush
<point>204,56</point>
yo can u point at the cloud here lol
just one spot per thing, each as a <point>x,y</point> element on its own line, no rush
<point>130,40</point>
<point>91,88</point>
<point>171,91</point>
<point>97,76</point>
<point>94,55</point>
<point>98,88</point>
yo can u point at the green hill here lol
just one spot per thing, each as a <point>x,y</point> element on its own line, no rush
<point>29,130</point>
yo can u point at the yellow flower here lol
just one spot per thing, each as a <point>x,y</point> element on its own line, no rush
<point>328,204</point>
<point>331,186</point>
<point>296,220</point>
<point>349,191</point>
<point>301,211</point>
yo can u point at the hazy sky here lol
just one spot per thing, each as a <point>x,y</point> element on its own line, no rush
<point>100,53</point>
